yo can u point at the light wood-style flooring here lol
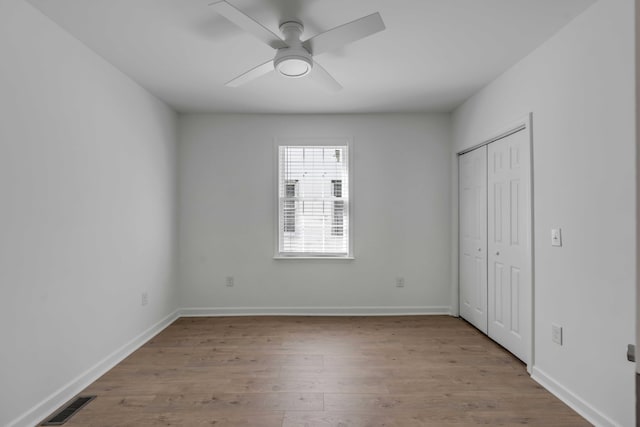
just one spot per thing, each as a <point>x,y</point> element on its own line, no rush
<point>321,371</point>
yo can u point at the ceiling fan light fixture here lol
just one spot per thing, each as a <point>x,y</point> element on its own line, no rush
<point>293,66</point>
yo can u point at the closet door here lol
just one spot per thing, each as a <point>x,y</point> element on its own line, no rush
<point>509,247</point>
<point>473,237</point>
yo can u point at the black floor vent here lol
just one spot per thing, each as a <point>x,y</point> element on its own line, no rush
<point>68,411</point>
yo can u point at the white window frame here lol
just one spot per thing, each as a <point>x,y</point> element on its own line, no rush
<point>306,141</point>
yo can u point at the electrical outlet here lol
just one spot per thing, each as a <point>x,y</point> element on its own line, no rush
<point>144,299</point>
<point>399,282</point>
<point>556,334</point>
<point>229,281</point>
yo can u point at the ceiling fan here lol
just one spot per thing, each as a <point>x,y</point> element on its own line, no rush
<point>295,58</point>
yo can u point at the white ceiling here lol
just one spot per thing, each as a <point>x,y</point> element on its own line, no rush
<point>433,55</point>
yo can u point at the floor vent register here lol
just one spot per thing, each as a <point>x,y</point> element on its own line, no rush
<point>68,411</point>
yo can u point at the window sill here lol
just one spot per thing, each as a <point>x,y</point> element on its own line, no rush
<point>332,258</point>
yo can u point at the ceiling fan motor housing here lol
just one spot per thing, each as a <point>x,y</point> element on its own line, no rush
<point>293,61</point>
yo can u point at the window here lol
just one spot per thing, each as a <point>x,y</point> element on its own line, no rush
<point>313,199</point>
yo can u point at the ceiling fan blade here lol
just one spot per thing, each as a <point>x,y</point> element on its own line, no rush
<point>248,24</point>
<point>345,34</point>
<point>252,74</point>
<point>322,76</point>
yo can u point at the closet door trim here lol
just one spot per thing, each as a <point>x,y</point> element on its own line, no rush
<point>523,124</point>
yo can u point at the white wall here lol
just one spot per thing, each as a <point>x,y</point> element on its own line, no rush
<point>402,216</point>
<point>580,87</point>
<point>87,217</point>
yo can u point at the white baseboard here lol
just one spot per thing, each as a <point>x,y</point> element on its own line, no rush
<point>590,413</point>
<point>75,386</point>
<point>313,311</point>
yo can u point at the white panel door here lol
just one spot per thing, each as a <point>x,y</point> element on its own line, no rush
<point>509,243</point>
<point>473,237</point>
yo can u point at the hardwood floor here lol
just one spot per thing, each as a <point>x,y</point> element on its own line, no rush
<point>321,371</point>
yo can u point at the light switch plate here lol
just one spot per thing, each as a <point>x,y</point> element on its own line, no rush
<point>556,237</point>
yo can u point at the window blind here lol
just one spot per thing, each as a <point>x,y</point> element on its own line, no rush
<point>313,200</point>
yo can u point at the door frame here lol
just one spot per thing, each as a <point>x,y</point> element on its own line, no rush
<point>524,124</point>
